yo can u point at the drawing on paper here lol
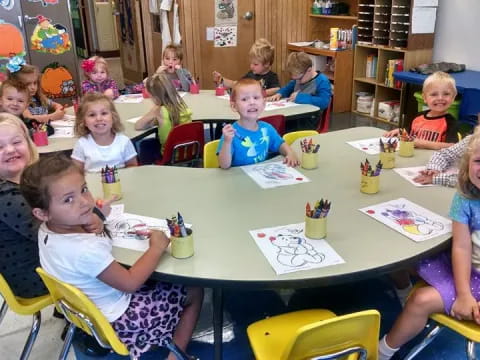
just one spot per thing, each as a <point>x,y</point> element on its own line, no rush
<point>294,251</point>
<point>272,174</point>
<point>410,221</point>
<point>50,38</point>
<point>273,171</point>
<point>369,146</point>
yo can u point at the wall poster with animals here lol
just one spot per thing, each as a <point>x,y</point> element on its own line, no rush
<point>226,12</point>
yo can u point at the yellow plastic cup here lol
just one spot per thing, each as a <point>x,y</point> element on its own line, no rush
<point>406,148</point>
<point>309,161</point>
<point>315,228</point>
<point>370,184</point>
<point>182,247</point>
<point>110,189</point>
<point>387,159</point>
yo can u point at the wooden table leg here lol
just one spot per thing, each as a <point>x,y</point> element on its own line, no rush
<point>218,322</point>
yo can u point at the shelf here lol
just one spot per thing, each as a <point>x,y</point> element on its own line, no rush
<point>368,80</point>
<point>383,47</point>
<point>376,118</point>
<point>315,51</point>
<point>337,17</point>
<point>389,87</point>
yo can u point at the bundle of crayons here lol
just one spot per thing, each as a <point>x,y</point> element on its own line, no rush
<point>39,126</point>
<point>388,146</point>
<point>109,175</point>
<point>404,136</point>
<point>309,147</point>
<point>320,210</point>
<point>177,226</point>
<point>367,170</point>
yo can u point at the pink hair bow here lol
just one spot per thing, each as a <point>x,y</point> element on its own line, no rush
<point>88,65</point>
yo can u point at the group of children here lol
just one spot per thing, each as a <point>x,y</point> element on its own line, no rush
<point>74,246</point>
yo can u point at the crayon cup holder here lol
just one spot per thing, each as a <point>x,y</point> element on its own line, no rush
<point>182,247</point>
<point>315,228</point>
<point>110,189</point>
<point>387,159</point>
<point>40,138</point>
<point>194,89</point>
<point>370,184</point>
<point>219,91</point>
<point>406,148</point>
<point>309,161</point>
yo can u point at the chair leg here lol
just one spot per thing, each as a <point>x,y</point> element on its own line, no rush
<point>68,342</point>
<point>432,334</point>
<point>3,310</point>
<point>37,320</point>
<point>470,350</point>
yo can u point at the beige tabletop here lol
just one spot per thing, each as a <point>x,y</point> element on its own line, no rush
<point>223,205</point>
<point>205,107</point>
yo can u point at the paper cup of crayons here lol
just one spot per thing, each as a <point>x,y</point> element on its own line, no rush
<point>370,178</point>
<point>111,183</point>
<point>407,145</point>
<point>387,153</point>
<point>181,238</point>
<point>194,88</point>
<point>309,154</point>
<point>316,219</point>
<point>40,137</point>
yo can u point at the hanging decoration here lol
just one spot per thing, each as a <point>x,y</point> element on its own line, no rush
<point>166,36</point>
<point>50,38</point>
<point>7,4</point>
<point>57,81</point>
<point>45,2</point>
<point>225,36</point>
<point>225,12</point>
<point>177,37</point>
<point>12,40</point>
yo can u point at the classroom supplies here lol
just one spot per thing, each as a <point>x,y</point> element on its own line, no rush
<point>309,154</point>
<point>219,91</point>
<point>369,146</point>
<point>387,152</point>
<point>370,178</point>
<point>407,145</point>
<point>181,238</point>
<point>111,182</point>
<point>40,135</point>
<point>316,219</point>
<point>272,174</point>
<point>194,88</point>
<point>411,173</point>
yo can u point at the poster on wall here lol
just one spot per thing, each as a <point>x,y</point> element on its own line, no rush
<point>57,81</point>
<point>7,4</point>
<point>50,38</point>
<point>225,12</point>
<point>225,36</point>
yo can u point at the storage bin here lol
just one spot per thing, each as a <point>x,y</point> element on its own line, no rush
<point>453,109</point>
<point>364,102</point>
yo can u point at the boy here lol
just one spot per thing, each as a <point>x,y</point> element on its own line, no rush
<point>435,128</point>
<point>172,67</point>
<point>14,98</point>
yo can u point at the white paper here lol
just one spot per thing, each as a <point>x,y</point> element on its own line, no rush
<point>129,99</point>
<point>369,146</point>
<point>272,174</point>
<point>210,32</point>
<point>62,132</point>
<point>182,93</point>
<point>134,119</point>
<point>225,36</point>
<point>423,20</point>
<point>287,249</point>
<point>301,43</point>
<point>226,12</point>
<point>409,219</point>
<point>412,172</point>
<point>425,3</point>
<point>67,120</point>
<point>280,104</point>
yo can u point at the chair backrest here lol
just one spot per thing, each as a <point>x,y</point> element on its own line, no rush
<point>184,144</point>
<point>324,122</point>
<point>357,330</point>
<point>277,121</point>
<point>210,159</point>
<point>294,135</point>
<point>81,311</point>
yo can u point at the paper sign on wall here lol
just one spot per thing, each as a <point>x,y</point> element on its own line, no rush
<point>226,12</point>
<point>50,38</point>
<point>225,36</point>
<point>423,20</point>
<point>56,81</point>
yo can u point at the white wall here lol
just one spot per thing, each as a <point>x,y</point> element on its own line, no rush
<point>457,33</point>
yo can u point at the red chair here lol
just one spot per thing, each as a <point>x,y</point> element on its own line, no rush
<point>184,145</point>
<point>277,121</point>
<point>324,123</point>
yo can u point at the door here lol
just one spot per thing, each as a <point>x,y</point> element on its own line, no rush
<point>232,62</point>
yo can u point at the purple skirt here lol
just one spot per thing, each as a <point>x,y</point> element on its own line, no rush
<point>151,317</point>
<point>437,272</point>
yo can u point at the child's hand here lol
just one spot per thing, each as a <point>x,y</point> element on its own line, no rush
<point>109,93</point>
<point>158,240</point>
<point>274,97</point>
<point>178,67</point>
<point>228,133</point>
<point>161,68</point>
<point>217,77</point>
<point>392,133</point>
<point>466,307</point>
<point>293,96</point>
<point>425,177</point>
<point>291,160</point>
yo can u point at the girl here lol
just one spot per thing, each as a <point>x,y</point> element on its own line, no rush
<point>248,141</point>
<point>169,110</point>
<point>95,70</point>
<point>454,280</point>
<point>41,108</point>
<point>101,143</point>
<point>141,316</point>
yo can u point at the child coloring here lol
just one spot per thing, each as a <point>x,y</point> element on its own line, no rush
<point>172,68</point>
<point>248,141</point>
<point>141,315</point>
<point>95,70</point>
<point>453,279</point>
<point>101,141</point>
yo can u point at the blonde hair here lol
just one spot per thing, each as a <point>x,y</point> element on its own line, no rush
<point>263,51</point>
<point>97,60</point>
<point>28,69</point>
<point>465,186</point>
<point>164,94</point>
<point>439,77</point>
<point>11,83</point>
<point>9,119</point>
<point>176,49</point>
<point>242,83</point>
<point>298,62</point>
<point>80,128</point>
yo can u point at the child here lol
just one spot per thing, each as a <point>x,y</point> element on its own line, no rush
<point>261,56</point>
<point>95,70</point>
<point>169,110</point>
<point>141,316</point>
<point>172,68</point>
<point>248,141</point>
<point>454,282</point>
<point>435,128</point>
<point>101,143</point>
<point>41,108</point>
<point>307,86</point>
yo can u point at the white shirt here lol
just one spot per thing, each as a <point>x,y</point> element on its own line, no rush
<point>78,259</point>
<point>95,156</point>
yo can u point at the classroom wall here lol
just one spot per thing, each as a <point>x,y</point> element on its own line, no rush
<point>456,33</point>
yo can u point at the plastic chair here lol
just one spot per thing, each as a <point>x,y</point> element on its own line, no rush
<point>277,121</point>
<point>210,159</point>
<point>324,123</point>
<point>294,135</point>
<point>24,306</point>
<point>184,144</point>
<point>81,312</point>
<point>318,334</point>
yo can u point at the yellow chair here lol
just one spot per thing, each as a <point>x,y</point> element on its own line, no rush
<point>81,312</point>
<point>210,159</point>
<point>294,135</point>
<point>23,306</point>
<point>316,333</point>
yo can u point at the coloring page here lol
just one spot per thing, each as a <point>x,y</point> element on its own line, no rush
<point>287,249</point>
<point>225,36</point>
<point>129,99</point>
<point>369,146</point>
<point>272,174</point>
<point>281,104</point>
<point>63,132</point>
<point>50,37</point>
<point>409,219</point>
<point>134,119</point>
<point>412,172</point>
<point>68,120</point>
